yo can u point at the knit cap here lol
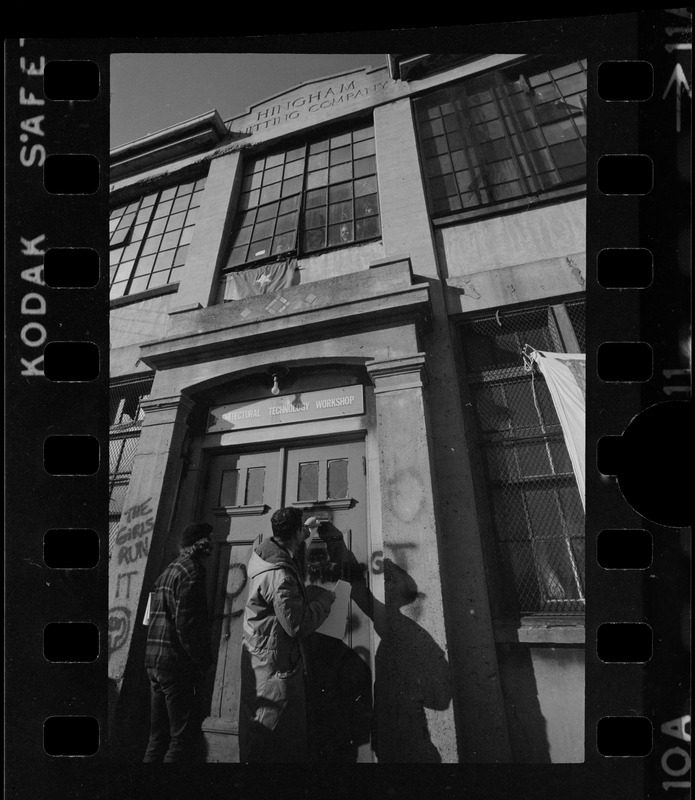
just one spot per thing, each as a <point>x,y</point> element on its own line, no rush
<point>195,531</point>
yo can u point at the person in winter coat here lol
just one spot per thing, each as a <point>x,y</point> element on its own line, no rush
<point>280,612</point>
<point>178,651</point>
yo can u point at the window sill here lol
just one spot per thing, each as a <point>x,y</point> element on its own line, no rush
<point>126,300</point>
<point>546,629</point>
<point>518,204</point>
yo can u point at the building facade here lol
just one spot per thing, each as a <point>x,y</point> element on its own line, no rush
<point>323,302</point>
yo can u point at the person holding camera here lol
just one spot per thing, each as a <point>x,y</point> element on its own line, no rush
<point>280,613</point>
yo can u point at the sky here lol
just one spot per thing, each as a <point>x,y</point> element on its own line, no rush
<point>150,91</point>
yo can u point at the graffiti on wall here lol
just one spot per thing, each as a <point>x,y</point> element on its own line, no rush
<point>400,556</point>
<point>132,538</point>
<point>123,584</point>
<point>119,627</point>
<point>132,546</point>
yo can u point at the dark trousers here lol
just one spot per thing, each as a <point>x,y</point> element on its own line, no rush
<point>173,716</point>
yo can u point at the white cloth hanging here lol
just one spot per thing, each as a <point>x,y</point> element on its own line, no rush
<point>565,375</point>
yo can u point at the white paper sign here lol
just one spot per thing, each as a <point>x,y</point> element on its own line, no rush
<point>150,600</point>
<point>336,622</point>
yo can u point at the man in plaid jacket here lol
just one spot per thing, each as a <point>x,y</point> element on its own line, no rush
<point>178,649</point>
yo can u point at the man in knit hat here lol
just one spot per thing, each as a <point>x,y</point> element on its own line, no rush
<point>178,649</point>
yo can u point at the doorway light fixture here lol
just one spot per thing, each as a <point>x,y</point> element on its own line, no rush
<point>278,373</point>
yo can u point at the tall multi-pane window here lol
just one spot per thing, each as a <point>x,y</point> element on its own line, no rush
<point>149,238</point>
<point>536,510</point>
<point>308,198</point>
<point>512,133</point>
<point>125,424</point>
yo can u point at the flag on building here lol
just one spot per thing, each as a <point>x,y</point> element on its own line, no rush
<point>565,375</point>
<point>260,280</point>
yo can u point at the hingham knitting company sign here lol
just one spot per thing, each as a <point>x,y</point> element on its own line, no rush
<point>342,401</point>
<point>316,97</point>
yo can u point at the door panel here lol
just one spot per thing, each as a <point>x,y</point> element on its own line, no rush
<point>329,481</point>
<point>242,491</point>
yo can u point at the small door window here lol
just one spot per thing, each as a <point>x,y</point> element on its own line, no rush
<point>337,479</point>
<point>308,481</point>
<point>255,483</point>
<point>228,487</point>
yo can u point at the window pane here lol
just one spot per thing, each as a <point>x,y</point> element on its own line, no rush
<point>367,228</point>
<point>318,147</point>
<point>293,169</point>
<point>138,284</point>
<point>228,488</point>
<point>243,235</point>
<point>291,186</point>
<point>363,133</point>
<point>366,206</point>
<point>315,218</point>
<point>319,178</point>
<point>180,204</point>
<point>340,234</point>
<point>120,236</point>
<point>263,230</point>
<point>340,155</point>
<point>124,271</point>
<point>365,186</point>
<point>314,240</point>
<point>290,204</point>
<point>270,193</point>
<point>117,290</point>
<point>365,166</point>
<point>339,192</point>
<point>158,279</point>
<point>115,256</point>
<point>293,155</point>
<point>341,140</point>
<point>308,481</point>
<point>340,212</point>
<point>317,197</point>
<point>180,258</point>
<point>284,242</point>
<point>260,249</point>
<point>340,173</point>
<point>365,148</point>
<point>170,240</point>
<point>144,266</point>
<point>337,479</point>
<point>288,222</point>
<point>318,161</point>
<point>272,175</point>
<point>176,221</point>
<point>162,209</point>
<point>238,256</point>
<point>267,212</point>
<point>255,482</point>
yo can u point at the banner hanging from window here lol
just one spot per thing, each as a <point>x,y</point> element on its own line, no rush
<point>565,375</point>
<point>260,280</point>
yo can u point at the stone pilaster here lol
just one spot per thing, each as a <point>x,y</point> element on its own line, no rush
<point>199,285</point>
<point>413,688</point>
<point>145,523</point>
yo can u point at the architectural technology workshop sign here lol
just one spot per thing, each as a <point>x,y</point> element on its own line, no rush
<point>342,401</point>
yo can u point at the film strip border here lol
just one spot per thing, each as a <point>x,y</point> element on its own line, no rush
<point>637,724</point>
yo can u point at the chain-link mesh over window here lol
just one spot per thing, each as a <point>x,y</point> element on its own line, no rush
<point>536,510</point>
<point>125,423</point>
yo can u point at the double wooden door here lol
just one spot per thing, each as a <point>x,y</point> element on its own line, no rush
<point>241,492</point>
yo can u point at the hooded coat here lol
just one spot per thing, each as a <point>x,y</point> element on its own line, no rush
<point>277,616</point>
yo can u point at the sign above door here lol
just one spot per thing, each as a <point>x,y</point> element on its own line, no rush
<point>341,401</point>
